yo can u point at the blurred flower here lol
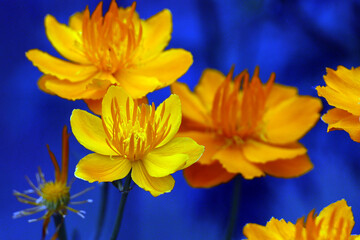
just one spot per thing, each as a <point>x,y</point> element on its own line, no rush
<point>342,92</point>
<point>54,197</point>
<point>117,49</point>
<point>335,222</point>
<point>246,127</point>
<point>133,137</point>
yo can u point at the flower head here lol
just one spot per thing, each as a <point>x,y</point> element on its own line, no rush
<point>136,137</point>
<point>335,222</point>
<point>247,127</point>
<point>53,196</point>
<point>116,49</point>
<point>342,92</point>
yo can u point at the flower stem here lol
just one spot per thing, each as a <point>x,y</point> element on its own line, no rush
<point>60,225</point>
<point>102,210</point>
<point>125,192</point>
<point>234,207</point>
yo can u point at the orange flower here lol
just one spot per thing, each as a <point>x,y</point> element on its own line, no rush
<point>335,222</point>
<point>117,49</point>
<point>342,92</point>
<point>247,127</point>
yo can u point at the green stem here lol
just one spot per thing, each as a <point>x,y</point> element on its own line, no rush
<point>102,210</point>
<point>125,192</point>
<point>234,207</point>
<point>60,224</point>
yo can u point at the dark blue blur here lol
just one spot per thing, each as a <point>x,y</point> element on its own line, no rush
<point>295,39</point>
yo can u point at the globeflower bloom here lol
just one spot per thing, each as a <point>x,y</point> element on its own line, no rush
<point>247,127</point>
<point>116,49</point>
<point>342,92</point>
<point>335,222</point>
<point>133,137</point>
<point>53,196</point>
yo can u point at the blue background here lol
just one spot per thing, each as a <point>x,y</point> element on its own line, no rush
<point>295,39</point>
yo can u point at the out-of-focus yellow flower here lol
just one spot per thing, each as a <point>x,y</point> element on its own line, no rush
<point>117,49</point>
<point>53,196</point>
<point>247,127</point>
<point>136,137</point>
<point>342,92</point>
<point>335,222</point>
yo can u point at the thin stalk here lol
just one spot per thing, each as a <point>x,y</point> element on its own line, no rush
<point>102,210</point>
<point>60,224</point>
<point>125,192</point>
<point>234,207</point>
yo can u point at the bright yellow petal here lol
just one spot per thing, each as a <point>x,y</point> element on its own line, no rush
<point>209,83</point>
<point>154,185</point>
<point>171,108</point>
<point>60,68</point>
<point>335,115</point>
<point>76,21</point>
<point>284,230</point>
<point>290,120</point>
<point>156,33</point>
<point>206,176</point>
<point>96,167</point>
<point>288,168</point>
<point>280,93</point>
<point>257,232</point>
<point>258,152</point>
<point>167,67</point>
<point>192,107</point>
<point>92,89</point>
<point>65,40</point>
<point>332,216</point>
<point>177,154</point>
<point>234,161</point>
<point>89,131</point>
<point>344,80</point>
<point>136,85</point>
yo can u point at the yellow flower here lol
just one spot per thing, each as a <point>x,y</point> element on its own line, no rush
<point>53,196</point>
<point>342,92</point>
<point>247,127</point>
<point>117,49</point>
<point>136,137</point>
<point>335,222</point>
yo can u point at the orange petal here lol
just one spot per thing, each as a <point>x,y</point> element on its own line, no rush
<point>343,120</point>
<point>156,33</point>
<point>335,115</point>
<point>94,105</point>
<point>291,119</point>
<point>234,161</point>
<point>167,67</point>
<point>206,176</point>
<point>65,40</point>
<point>209,83</point>
<point>288,168</point>
<point>60,68</point>
<point>259,152</point>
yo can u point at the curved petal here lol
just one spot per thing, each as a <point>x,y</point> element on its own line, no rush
<point>283,229</point>
<point>94,105</point>
<point>89,131</point>
<point>156,33</point>
<point>76,21</point>
<point>154,185</point>
<point>206,176</point>
<point>344,80</point>
<point>92,89</point>
<point>177,154</point>
<point>288,168</point>
<point>259,152</point>
<point>60,68</point>
<point>167,67</point>
<point>96,167</point>
<point>335,115</point>
<point>257,232</point>
<point>168,116</point>
<point>136,84</point>
<point>234,161</point>
<point>290,120</point>
<point>209,83</point>
<point>192,107</point>
<point>280,93</point>
<point>65,40</point>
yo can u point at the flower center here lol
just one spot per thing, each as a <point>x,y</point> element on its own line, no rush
<point>55,195</point>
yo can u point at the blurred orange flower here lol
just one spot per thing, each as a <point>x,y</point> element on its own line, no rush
<point>247,127</point>
<point>117,49</point>
<point>342,92</point>
<point>335,222</point>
